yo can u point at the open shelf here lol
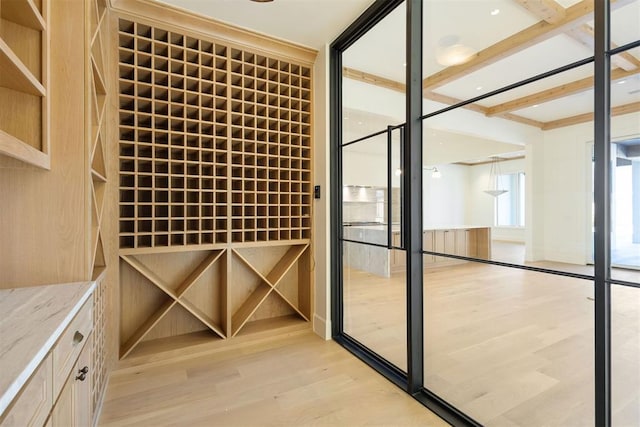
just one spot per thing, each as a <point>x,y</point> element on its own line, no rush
<point>23,12</point>
<point>176,292</point>
<point>24,59</point>
<point>267,286</point>
<point>15,75</point>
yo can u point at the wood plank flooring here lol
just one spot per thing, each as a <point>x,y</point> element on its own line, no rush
<point>507,346</point>
<point>293,381</point>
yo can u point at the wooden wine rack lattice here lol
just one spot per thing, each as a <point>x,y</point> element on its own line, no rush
<point>215,189</point>
<point>24,92</point>
<point>269,284</point>
<point>215,142</point>
<point>174,294</point>
<point>176,297</point>
<point>97,23</point>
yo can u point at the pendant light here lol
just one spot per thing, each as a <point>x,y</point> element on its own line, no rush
<point>435,174</point>
<point>494,174</point>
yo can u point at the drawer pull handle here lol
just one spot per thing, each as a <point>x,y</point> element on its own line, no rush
<point>83,373</point>
<point>77,337</point>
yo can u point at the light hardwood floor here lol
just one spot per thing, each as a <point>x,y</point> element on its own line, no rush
<point>293,381</point>
<point>506,346</point>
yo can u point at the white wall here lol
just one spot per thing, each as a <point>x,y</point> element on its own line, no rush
<point>480,205</point>
<point>321,217</point>
<point>445,198</point>
<point>560,196</point>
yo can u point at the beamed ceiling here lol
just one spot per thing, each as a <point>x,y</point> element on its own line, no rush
<point>534,36</point>
<point>522,39</point>
<point>553,36</point>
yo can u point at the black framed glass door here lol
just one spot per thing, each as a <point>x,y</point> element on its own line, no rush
<point>501,318</point>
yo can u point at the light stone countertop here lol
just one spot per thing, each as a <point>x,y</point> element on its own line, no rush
<point>31,321</point>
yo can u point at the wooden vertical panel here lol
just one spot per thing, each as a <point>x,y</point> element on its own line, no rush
<point>483,239</point>
<point>428,245</point>
<point>305,300</point>
<point>231,278</point>
<point>109,223</point>
<point>43,212</point>
<point>472,242</point>
<point>461,242</point>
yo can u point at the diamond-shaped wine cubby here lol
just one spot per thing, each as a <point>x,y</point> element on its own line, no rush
<point>169,294</point>
<point>269,283</point>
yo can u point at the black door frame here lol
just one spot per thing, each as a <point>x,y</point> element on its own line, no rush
<point>412,381</point>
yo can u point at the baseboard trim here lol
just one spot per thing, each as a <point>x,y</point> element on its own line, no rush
<point>322,327</point>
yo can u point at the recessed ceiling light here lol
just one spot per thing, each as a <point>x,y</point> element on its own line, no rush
<point>535,106</point>
<point>494,12</point>
<point>621,82</point>
<point>479,88</point>
<point>359,123</point>
<point>450,52</point>
<point>346,118</point>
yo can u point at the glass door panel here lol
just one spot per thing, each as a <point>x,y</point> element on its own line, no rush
<point>373,273</point>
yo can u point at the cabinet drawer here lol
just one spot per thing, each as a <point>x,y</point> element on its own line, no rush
<point>70,345</point>
<point>73,407</point>
<point>32,406</point>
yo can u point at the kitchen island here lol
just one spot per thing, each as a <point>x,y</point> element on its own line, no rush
<point>470,241</point>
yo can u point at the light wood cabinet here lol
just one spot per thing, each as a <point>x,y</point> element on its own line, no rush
<point>428,245</point>
<point>32,406</point>
<point>70,344</point>
<point>59,389</point>
<point>73,407</point>
<point>461,242</point>
<point>468,242</point>
<point>397,258</point>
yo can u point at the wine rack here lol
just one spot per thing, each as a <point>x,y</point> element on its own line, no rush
<point>215,187</point>
<point>215,142</point>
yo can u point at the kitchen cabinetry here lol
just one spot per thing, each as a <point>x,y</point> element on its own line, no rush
<point>73,407</point>
<point>46,355</point>
<point>398,259</point>
<point>469,242</point>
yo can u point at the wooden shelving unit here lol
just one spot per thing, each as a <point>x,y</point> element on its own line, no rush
<point>226,292</point>
<point>215,177</point>
<point>184,281</point>
<point>24,65</point>
<point>173,139</point>
<point>270,148</point>
<point>215,142</point>
<point>97,30</point>
<point>269,284</point>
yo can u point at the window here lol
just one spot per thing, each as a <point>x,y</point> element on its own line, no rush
<point>510,205</point>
